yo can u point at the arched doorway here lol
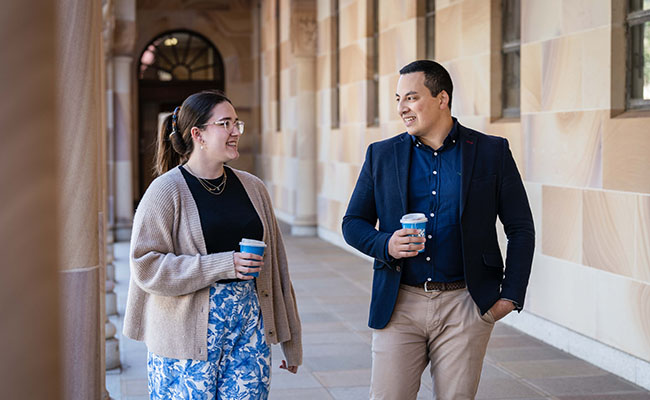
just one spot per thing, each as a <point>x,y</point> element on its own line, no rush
<point>171,67</point>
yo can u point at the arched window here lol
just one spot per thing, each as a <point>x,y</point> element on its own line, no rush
<point>180,56</point>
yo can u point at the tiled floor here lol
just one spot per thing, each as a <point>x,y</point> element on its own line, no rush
<point>333,290</point>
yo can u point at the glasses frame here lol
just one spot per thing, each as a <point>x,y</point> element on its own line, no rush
<point>239,124</point>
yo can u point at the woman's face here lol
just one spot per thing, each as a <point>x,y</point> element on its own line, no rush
<point>219,144</point>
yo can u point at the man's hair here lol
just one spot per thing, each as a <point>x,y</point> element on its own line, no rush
<point>436,77</point>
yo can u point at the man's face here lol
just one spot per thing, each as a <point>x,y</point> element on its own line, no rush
<point>419,110</point>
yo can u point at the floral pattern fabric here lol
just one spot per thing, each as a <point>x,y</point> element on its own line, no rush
<point>239,359</point>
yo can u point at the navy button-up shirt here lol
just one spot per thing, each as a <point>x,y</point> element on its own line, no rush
<point>434,190</point>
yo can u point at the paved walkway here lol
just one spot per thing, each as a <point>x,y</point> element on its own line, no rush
<point>333,292</point>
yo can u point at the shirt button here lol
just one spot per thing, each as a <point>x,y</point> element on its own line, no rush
<point>428,258</point>
<point>435,153</point>
<point>429,279</point>
<point>432,214</point>
<point>453,141</point>
<point>429,235</point>
<point>435,172</point>
<point>433,193</point>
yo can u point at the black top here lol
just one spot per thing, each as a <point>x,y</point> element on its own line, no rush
<point>225,218</point>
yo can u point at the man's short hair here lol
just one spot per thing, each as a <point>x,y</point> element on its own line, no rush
<point>436,77</point>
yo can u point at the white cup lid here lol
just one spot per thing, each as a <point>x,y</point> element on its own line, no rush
<point>413,218</point>
<point>252,242</point>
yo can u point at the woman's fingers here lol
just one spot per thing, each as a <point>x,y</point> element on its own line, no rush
<point>248,259</point>
<point>291,368</point>
<point>246,270</point>
<point>247,263</point>
<point>251,256</point>
<point>242,272</point>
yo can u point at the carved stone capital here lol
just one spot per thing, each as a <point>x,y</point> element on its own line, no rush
<point>124,37</point>
<point>303,33</point>
<point>108,29</point>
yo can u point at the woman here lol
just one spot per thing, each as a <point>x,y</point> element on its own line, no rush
<point>206,322</point>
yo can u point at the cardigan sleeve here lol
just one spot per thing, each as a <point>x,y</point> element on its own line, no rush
<point>154,265</point>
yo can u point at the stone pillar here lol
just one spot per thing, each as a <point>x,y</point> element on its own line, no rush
<point>303,48</point>
<point>109,29</point>
<point>111,344</point>
<point>124,139</point>
<point>124,131</point>
<point>79,98</point>
<point>29,288</point>
<point>111,298</point>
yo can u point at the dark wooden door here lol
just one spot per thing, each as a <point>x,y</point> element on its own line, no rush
<point>156,98</point>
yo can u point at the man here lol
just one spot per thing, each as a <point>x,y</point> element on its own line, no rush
<point>439,305</point>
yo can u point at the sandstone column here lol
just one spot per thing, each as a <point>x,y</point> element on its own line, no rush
<point>29,287</point>
<point>111,345</point>
<point>123,118</point>
<point>303,49</point>
<point>109,31</point>
<point>80,101</point>
<point>124,169</point>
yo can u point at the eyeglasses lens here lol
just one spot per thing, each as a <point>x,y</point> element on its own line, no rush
<point>240,127</point>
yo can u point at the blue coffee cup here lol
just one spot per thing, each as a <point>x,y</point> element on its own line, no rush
<point>415,221</point>
<point>252,246</point>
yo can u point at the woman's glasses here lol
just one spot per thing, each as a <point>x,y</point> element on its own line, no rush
<point>228,125</point>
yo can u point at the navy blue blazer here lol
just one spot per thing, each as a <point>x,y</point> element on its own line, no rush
<point>491,186</point>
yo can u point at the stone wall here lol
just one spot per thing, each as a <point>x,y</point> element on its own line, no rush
<point>584,160</point>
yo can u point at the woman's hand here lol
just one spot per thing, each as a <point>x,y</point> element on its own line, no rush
<point>246,263</point>
<point>291,368</point>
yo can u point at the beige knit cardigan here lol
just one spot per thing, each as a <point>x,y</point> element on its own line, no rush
<point>171,274</point>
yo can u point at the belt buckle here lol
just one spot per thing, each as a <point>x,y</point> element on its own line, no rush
<point>427,290</point>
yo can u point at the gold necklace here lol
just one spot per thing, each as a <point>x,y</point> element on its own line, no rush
<point>209,186</point>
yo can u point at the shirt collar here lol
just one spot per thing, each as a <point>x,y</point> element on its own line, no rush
<point>449,141</point>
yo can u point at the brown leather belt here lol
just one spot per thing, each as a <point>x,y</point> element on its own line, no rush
<point>429,286</point>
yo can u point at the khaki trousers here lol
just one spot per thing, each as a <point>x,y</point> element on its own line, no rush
<point>445,328</point>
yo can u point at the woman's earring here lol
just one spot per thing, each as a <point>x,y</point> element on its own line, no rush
<point>202,143</point>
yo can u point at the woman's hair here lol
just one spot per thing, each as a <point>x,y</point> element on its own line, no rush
<point>174,142</point>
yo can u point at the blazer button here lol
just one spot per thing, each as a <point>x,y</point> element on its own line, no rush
<point>398,268</point>
<point>270,333</point>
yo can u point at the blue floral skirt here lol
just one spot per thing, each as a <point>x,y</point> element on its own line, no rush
<point>238,364</point>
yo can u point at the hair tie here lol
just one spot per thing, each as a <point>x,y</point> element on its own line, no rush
<point>174,119</point>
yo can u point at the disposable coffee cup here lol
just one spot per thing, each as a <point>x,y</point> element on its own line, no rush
<point>252,246</point>
<point>415,221</point>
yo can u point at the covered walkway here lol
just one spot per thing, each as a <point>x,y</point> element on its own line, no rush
<point>333,291</point>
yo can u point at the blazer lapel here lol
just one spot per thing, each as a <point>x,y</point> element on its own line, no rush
<point>402,164</point>
<point>468,143</point>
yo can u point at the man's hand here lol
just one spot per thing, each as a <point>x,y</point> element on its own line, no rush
<point>501,308</point>
<point>401,245</point>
